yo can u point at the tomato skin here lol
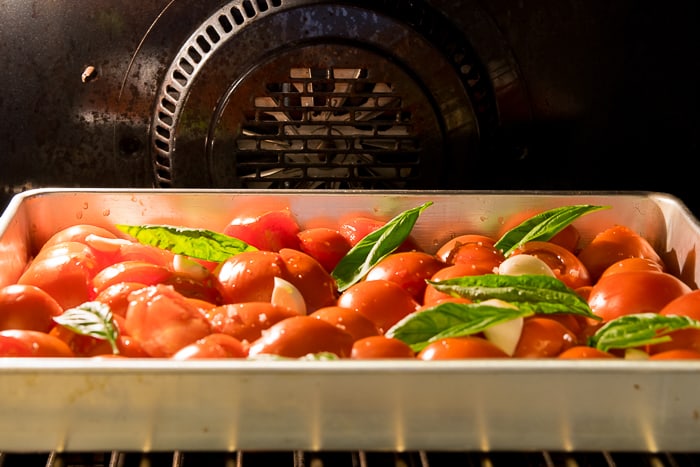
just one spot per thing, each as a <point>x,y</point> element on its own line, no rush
<point>677,354</point>
<point>249,276</point>
<point>324,244</point>
<point>543,338</point>
<point>408,269</point>
<point>680,339</point>
<point>130,271</point>
<point>271,231</point>
<point>116,296</point>
<point>686,305</point>
<point>381,301</point>
<point>64,271</point>
<point>350,321</point>
<point>634,292</point>
<point>163,321</point>
<point>461,347</point>
<point>632,264</point>
<point>212,346</point>
<point>565,265</point>
<point>614,244</point>
<point>446,248</point>
<point>482,258</point>
<point>302,335</point>
<point>88,346</point>
<point>206,289</point>
<point>315,283</point>
<point>28,343</point>
<point>356,228</point>
<point>380,347</point>
<point>246,321</point>
<point>583,352</point>
<point>569,237</point>
<point>24,306</point>
<point>78,233</point>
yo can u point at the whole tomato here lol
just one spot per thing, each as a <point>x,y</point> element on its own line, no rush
<point>271,231</point>
<point>481,257</point>
<point>313,281</point>
<point>130,271</point>
<point>355,229</point>
<point>569,237</point>
<point>350,321</point>
<point>381,301</point>
<point>676,354</point>
<point>245,321</point>
<point>300,336</point>
<point>614,244</point>
<point>28,343</point>
<point>686,305</point>
<point>563,263</point>
<point>461,347</point>
<point>542,337</point>
<point>464,239</point>
<point>380,347</point>
<point>408,269</point>
<point>163,321</point>
<point>324,244</point>
<point>433,296</point>
<point>116,296</point>
<point>634,292</point>
<point>78,233</point>
<point>632,264</point>
<point>250,276</point>
<point>212,346</point>
<point>584,352</point>
<point>24,306</point>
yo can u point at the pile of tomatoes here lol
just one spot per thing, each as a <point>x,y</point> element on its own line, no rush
<point>280,298</point>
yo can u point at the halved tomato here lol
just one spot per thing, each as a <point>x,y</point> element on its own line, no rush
<point>563,263</point>
<point>408,269</point>
<point>380,347</point>
<point>271,231</point>
<point>461,347</point>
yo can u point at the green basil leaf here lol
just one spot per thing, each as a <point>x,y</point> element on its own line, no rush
<point>92,319</point>
<point>374,247</point>
<point>639,329</point>
<point>536,293</point>
<point>543,226</point>
<point>196,243</point>
<point>449,319</point>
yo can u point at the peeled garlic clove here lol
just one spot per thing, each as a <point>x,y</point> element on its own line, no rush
<point>519,265</point>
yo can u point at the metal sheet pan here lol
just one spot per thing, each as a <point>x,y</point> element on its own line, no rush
<point>81,404</point>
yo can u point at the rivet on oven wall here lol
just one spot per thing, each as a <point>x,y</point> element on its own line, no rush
<point>89,74</point>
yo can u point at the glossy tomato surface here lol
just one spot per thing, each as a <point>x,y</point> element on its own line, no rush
<point>270,231</point>
<point>28,343</point>
<point>686,305</point>
<point>350,321</point>
<point>563,263</point>
<point>446,248</point>
<point>407,269</point>
<point>380,347</point>
<point>584,352</point>
<point>24,306</point>
<point>631,292</point>
<point>432,296</point>
<point>212,346</point>
<point>461,347</point>
<point>300,336</point>
<point>246,321</point>
<point>328,246</point>
<point>250,276</point>
<point>313,281</point>
<point>542,337</point>
<point>381,301</point>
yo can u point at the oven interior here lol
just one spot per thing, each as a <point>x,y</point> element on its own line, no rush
<point>381,94</point>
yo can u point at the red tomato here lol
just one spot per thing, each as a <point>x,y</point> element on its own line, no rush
<point>270,231</point>
<point>584,351</point>
<point>78,233</point>
<point>612,245</point>
<point>380,347</point>
<point>25,306</point>
<point>686,305</point>
<point>382,302</point>
<point>408,269</point>
<point>565,265</point>
<point>324,244</point>
<point>130,271</point>
<point>28,343</point>
<point>300,336</point>
<point>246,321</point>
<point>632,264</point>
<point>116,296</point>
<point>250,276</point>
<point>482,258</point>
<point>461,347</point>
<point>447,247</point>
<point>64,271</point>
<point>432,295</point>
<point>676,354</point>
<point>350,321</point>
<point>206,289</point>
<point>163,321</point>
<point>212,346</point>
<point>87,346</point>
<point>313,281</point>
<point>543,337</point>
<point>634,292</point>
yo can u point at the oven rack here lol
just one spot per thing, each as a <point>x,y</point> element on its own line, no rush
<point>349,459</point>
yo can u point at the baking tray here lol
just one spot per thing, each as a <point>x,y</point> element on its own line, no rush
<point>153,405</point>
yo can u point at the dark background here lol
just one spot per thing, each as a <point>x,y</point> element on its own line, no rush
<point>611,89</point>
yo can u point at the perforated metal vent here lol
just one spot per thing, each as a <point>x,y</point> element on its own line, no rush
<point>302,94</point>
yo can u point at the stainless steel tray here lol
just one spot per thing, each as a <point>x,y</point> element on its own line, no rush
<point>80,404</point>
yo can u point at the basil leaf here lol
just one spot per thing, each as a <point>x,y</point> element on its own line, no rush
<point>196,243</point>
<point>92,319</point>
<point>536,293</point>
<point>374,247</point>
<point>449,319</point>
<point>543,226</point>
<point>639,329</point>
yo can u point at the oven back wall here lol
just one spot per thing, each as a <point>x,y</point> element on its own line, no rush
<point>603,95</point>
